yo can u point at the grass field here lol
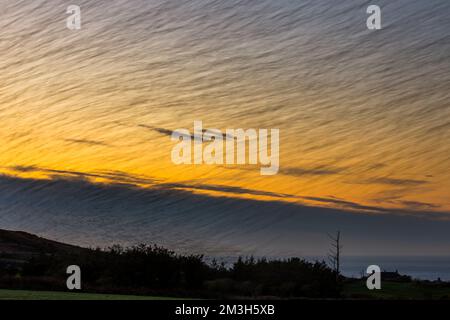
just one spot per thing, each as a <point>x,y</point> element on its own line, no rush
<point>47,295</point>
<point>397,290</point>
<point>354,290</point>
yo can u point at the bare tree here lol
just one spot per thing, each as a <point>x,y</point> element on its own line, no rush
<point>334,256</point>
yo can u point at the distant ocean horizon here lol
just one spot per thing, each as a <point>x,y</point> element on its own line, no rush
<point>423,268</point>
<point>418,267</point>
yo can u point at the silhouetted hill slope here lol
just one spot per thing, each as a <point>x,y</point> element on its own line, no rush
<point>33,263</point>
<point>19,246</point>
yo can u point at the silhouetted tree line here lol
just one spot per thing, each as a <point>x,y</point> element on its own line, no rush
<point>145,269</point>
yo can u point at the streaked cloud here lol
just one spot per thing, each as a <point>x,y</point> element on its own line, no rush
<point>123,177</point>
<point>392,181</point>
<point>314,171</point>
<point>88,142</point>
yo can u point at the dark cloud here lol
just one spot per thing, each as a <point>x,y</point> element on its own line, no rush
<point>317,171</point>
<point>167,132</point>
<point>225,189</point>
<point>119,177</point>
<point>163,131</point>
<point>88,142</point>
<point>122,177</point>
<point>81,212</point>
<point>114,176</point>
<point>393,182</point>
<point>346,204</point>
<point>413,208</point>
<point>294,171</point>
<point>24,168</point>
<point>417,205</point>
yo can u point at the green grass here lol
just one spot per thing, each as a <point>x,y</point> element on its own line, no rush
<point>397,290</point>
<point>51,295</point>
<point>354,290</point>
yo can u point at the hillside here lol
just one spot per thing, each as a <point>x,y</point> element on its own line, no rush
<point>17,246</point>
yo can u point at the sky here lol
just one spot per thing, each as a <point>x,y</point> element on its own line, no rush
<point>364,116</point>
